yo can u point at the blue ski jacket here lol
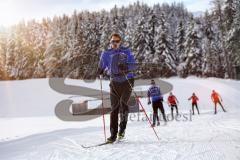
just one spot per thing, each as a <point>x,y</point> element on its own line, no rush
<point>109,63</point>
<point>155,93</point>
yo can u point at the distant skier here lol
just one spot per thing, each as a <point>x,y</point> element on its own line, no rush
<point>116,61</point>
<point>172,102</point>
<point>217,99</point>
<point>155,94</point>
<point>194,99</point>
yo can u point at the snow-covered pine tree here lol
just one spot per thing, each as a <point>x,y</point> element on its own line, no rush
<point>130,30</point>
<point>105,25</point>
<point>91,48</point>
<point>212,53</point>
<point>3,48</point>
<point>233,39</point>
<point>191,60</point>
<point>118,22</point>
<point>20,52</point>
<point>150,26</point>
<point>173,22</point>
<point>2,68</point>
<point>139,43</point>
<point>180,39</point>
<point>164,56</point>
<point>40,44</point>
<point>70,60</point>
<point>10,57</point>
<point>229,15</point>
<point>140,46</point>
<point>229,12</point>
<point>218,14</point>
<point>57,48</point>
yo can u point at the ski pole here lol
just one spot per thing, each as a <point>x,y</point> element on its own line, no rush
<point>104,127</point>
<point>139,102</point>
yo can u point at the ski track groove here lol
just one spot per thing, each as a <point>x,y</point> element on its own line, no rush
<point>192,144</point>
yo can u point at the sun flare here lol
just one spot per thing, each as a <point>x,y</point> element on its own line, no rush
<point>8,13</point>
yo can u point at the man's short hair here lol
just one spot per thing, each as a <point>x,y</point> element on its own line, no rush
<point>115,35</point>
<point>152,81</point>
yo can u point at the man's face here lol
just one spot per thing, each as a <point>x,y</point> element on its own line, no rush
<point>115,42</point>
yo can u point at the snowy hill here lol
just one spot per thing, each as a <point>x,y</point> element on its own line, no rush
<point>29,129</point>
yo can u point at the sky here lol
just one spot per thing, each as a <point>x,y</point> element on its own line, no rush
<point>13,11</point>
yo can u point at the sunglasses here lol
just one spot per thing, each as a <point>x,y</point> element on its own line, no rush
<point>115,41</point>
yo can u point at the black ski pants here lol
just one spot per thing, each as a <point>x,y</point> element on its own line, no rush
<point>158,105</point>
<point>195,104</point>
<point>120,93</point>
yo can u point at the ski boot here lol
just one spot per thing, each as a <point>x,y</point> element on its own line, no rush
<point>121,135</point>
<point>111,139</point>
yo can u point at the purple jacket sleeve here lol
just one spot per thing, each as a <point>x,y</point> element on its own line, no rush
<point>103,61</point>
<point>148,93</point>
<point>131,61</point>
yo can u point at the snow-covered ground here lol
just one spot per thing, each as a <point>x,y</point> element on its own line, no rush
<point>29,129</point>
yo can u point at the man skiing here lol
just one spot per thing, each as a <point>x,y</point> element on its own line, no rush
<point>155,94</point>
<point>172,102</point>
<point>217,99</point>
<point>117,62</point>
<point>194,99</point>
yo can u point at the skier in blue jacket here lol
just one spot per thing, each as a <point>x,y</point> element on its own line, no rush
<point>118,63</point>
<point>154,93</point>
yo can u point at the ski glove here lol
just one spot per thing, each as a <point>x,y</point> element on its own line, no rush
<point>99,71</point>
<point>103,73</point>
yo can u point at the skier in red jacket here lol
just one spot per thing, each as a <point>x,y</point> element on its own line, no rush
<point>194,99</point>
<point>217,99</point>
<point>172,102</point>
